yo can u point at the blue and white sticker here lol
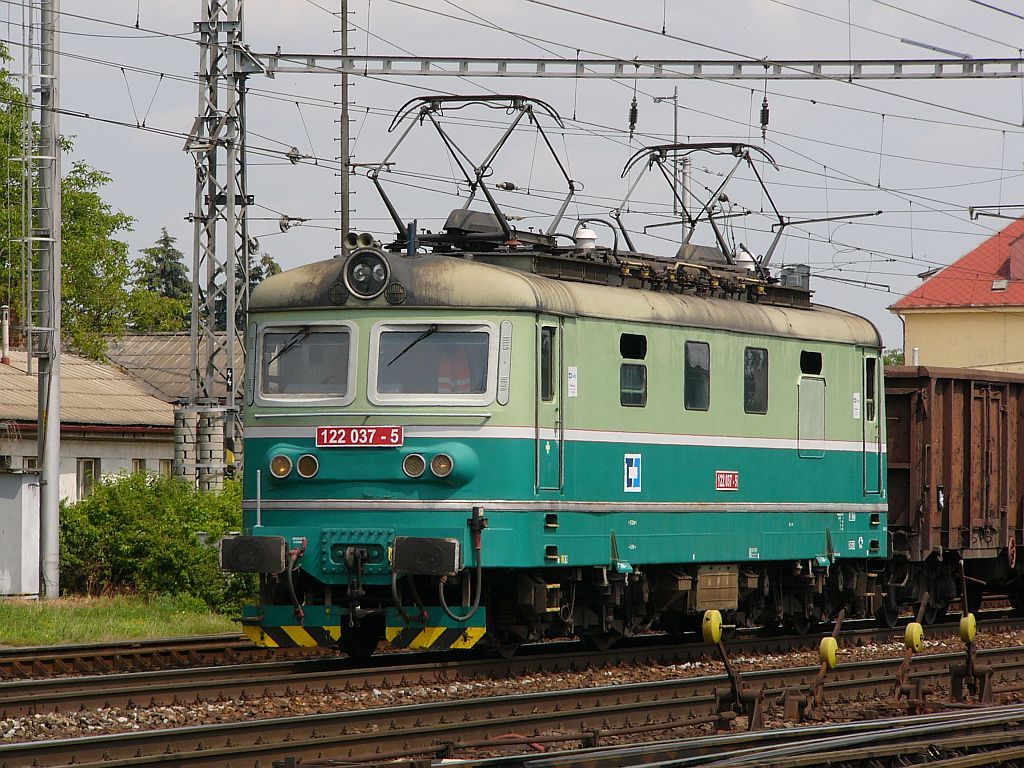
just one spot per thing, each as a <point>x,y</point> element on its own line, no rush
<point>631,473</point>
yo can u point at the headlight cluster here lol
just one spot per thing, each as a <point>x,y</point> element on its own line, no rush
<point>441,465</point>
<point>307,466</point>
<point>366,273</point>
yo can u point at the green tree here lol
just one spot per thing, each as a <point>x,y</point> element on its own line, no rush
<point>892,357</point>
<point>11,168</point>
<point>161,269</point>
<point>95,263</point>
<point>258,272</point>
<point>153,313</point>
<point>161,294</point>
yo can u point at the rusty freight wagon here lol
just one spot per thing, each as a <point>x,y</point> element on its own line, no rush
<point>955,464</point>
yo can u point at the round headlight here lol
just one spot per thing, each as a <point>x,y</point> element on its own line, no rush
<point>366,273</point>
<point>413,465</point>
<point>280,466</point>
<point>442,465</point>
<point>307,465</point>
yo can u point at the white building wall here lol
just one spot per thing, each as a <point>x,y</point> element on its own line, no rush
<point>115,453</point>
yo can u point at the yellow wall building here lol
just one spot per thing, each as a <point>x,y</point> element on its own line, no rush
<point>971,313</point>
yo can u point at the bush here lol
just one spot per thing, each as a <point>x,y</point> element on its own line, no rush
<point>139,533</point>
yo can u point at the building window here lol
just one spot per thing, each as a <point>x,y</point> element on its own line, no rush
<point>697,376</point>
<point>755,380</point>
<point>138,465</point>
<point>166,466</point>
<point>30,463</point>
<point>88,474</point>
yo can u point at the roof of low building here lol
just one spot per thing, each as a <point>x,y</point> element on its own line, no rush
<point>91,393</point>
<point>160,362</point>
<point>991,275</point>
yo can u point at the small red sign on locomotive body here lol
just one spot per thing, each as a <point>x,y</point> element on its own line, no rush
<point>727,480</point>
<point>359,437</point>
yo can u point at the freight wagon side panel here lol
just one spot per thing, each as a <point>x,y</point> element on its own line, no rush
<point>955,462</point>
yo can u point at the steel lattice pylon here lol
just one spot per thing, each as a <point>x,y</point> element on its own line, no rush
<point>220,275</point>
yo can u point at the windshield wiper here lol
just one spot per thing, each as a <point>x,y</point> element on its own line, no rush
<point>292,342</point>
<point>429,332</point>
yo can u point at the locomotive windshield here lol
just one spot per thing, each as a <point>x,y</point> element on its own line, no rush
<point>433,361</point>
<point>305,361</point>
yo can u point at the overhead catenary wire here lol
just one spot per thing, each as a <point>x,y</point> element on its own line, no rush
<point>798,137</point>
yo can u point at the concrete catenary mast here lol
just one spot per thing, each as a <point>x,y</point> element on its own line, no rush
<point>45,240</point>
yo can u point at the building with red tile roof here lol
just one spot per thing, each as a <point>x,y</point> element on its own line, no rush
<point>971,313</point>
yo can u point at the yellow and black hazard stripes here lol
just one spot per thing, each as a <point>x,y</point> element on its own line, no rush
<point>417,636</point>
<point>292,636</point>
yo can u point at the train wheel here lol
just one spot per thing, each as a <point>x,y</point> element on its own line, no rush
<point>933,612</point>
<point>888,613</point>
<point>361,641</point>
<point>800,625</point>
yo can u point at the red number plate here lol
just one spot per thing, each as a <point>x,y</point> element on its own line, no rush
<point>727,480</point>
<point>359,437</point>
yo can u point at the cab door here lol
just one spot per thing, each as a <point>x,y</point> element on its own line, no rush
<point>550,406</point>
<point>871,372</point>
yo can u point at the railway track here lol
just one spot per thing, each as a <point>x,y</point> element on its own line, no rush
<point>584,716</point>
<point>338,674</point>
<point>987,736</point>
<point>133,655</point>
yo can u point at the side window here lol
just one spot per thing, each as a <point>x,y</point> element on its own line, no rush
<point>697,376</point>
<point>755,380</point>
<point>633,376</point>
<point>870,387</point>
<point>633,385</point>
<point>547,364</point>
<point>810,363</point>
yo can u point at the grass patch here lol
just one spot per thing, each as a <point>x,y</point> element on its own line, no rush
<point>101,619</point>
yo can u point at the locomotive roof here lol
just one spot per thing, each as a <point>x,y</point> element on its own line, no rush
<point>450,282</point>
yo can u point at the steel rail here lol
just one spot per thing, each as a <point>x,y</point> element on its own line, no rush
<point>579,715</point>
<point>835,744</point>
<point>328,675</point>
<point>89,658</point>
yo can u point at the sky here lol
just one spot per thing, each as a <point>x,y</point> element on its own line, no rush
<point>921,152</point>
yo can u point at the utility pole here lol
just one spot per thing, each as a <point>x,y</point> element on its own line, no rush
<point>47,233</point>
<point>674,98</point>
<point>677,194</point>
<point>346,222</point>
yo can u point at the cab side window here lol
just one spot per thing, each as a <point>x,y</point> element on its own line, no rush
<point>697,376</point>
<point>633,375</point>
<point>755,380</point>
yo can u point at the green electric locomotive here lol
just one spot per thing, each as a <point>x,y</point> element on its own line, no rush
<point>487,435</point>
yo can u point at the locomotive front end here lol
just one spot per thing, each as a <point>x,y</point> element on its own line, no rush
<point>363,459</point>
